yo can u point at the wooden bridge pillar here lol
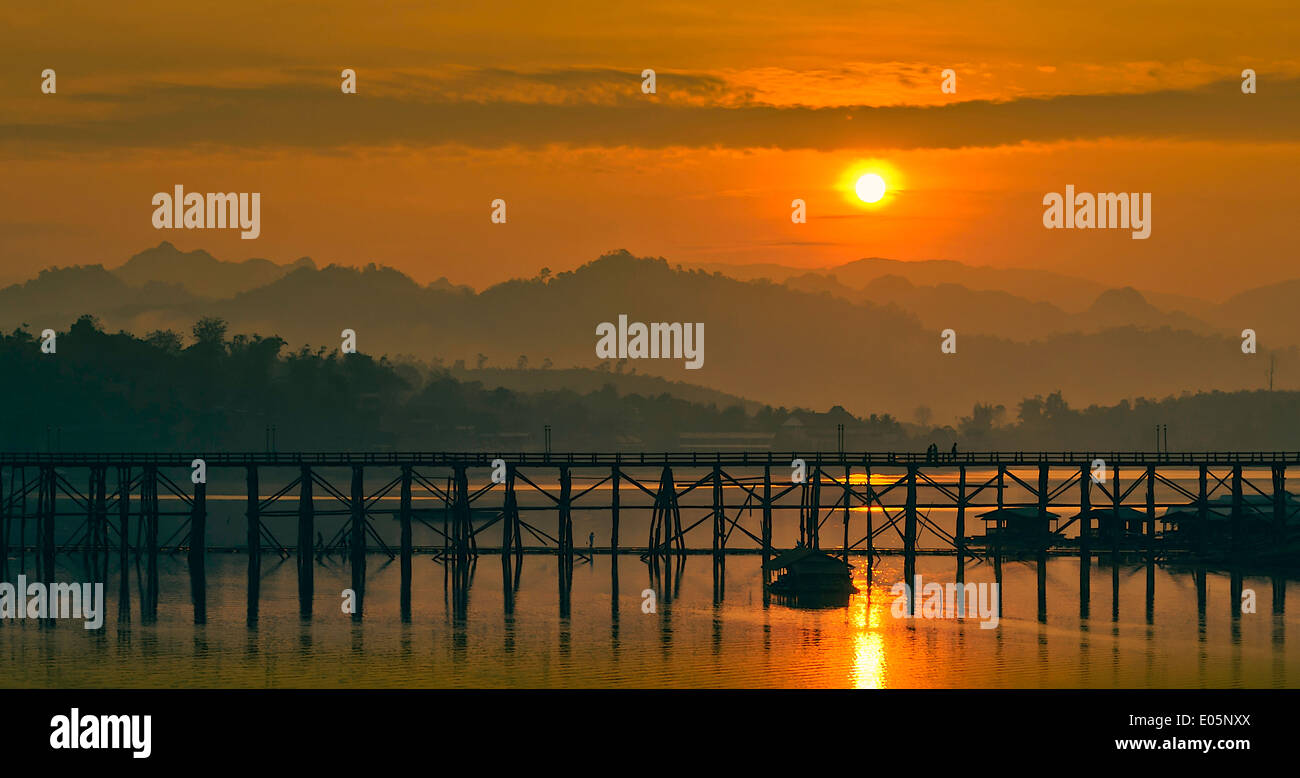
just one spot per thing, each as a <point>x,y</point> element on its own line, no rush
<point>871,529</point>
<point>358,541</point>
<point>847,493</point>
<point>1279,504</point>
<point>565,529</point>
<point>124,543</point>
<point>718,513</point>
<point>198,553</point>
<point>614,478</point>
<point>960,536</point>
<point>1151,512</point>
<point>253,541</point>
<point>149,512</point>
<point>564,538</point>
<point>1085,541</point>
<point>997,540</point>
<point>404,517</point>
<point>1202,512</point>
<point>306,542</point>
<point>1040,564</point>
<point>99,509</point>
<point>815,512</point>
<point>719,537</point>
<point>509,513</point>
<point>1118,525</point>
<point>45,522</point>
<point>4,528</point>
<point>1117,531</point>
<point>1236,539</point>
<point>909,538</point>
<point>767,517</point>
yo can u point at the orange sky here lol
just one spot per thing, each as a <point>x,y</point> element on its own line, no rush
<point>758,103</point>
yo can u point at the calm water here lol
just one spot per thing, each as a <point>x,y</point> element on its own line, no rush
<point>689,642</point>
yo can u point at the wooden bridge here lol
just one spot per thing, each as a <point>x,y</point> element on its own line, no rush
<point>496,503</point>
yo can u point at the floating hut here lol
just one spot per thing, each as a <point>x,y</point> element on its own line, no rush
<point>1021,527</point>
<point>1105,530</point>
<point>806,571</point>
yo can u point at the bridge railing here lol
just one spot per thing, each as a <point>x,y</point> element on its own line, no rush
<point>648,459</point>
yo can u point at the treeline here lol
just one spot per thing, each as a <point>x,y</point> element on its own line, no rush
<point>101,391</point>
<point>210,391</point>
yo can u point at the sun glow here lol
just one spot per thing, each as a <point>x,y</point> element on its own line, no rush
<point>870,188</point>
<point>871,183</point>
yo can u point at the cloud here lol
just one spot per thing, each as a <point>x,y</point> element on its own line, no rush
<point>319,117</point>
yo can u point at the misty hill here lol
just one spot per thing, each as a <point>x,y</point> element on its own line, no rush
<point>58,296</point>
<point>1002,314</point>
<point>200,273</point>
<point>1069,293</point>
<point>764,341</point>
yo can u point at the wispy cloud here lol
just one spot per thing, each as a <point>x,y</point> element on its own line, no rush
<point>609,113</point>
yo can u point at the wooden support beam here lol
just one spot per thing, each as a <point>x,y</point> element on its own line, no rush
<point>198,553</point>
<point>1117,519</point>
<point>253,541</point>
<point>847,493</point>
<point>1202,512</point>
<point>1235,542</point>
<point>614,478</point>
<point>99,533</point>
<point>1040,566</point>
<point>149,511</point>
<point>45,519</point>
<point>909,538</point>
<point>960,537</point>
<point>358,544</point>
<point>306,542</point>
<point>4,528</point>
<point>124,543</point>
<point>766,531</point>
<point>1151,511</point>
<point>565,533</point>
<point>1279,504</point>
<point>462,523</point>
<point>871,530</point>
<point>1085,541</point>
<point>815,510</point>
<point>1117,530</point>
<point>997,541</point>
<point>719,515</point>
<point>404,517</point>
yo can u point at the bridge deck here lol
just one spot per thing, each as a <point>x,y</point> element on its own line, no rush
<point>653,459</point>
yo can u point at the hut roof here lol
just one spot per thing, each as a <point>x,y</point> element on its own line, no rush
<point>1252,499</point>
<point>1190,513</point>
<point>1015,514</point>
<point>804,557</point>
<point>1126,513</point>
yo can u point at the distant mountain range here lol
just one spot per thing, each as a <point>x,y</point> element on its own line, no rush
<point>855,336</point>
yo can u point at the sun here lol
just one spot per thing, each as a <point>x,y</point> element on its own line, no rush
<point>870,188</point>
